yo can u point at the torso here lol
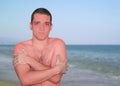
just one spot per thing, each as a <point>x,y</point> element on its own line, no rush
<point>45,56</point>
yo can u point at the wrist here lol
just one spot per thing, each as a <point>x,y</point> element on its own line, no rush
<point>56,69</point>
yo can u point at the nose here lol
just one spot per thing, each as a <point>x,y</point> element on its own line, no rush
<point>42,28</point>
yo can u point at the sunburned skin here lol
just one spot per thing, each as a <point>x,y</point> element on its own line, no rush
<point>48,57</point>
<point>40,61</point>
<point>46,61</point>
<point>17,59</point>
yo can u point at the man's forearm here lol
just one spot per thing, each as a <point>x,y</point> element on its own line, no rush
<point>55,79</point>
<point>41,76</point>
<point>35,77</point>
<point>40,67</point>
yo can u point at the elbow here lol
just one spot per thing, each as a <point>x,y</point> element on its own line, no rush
<point>56,79</point>
<point>25,82</point>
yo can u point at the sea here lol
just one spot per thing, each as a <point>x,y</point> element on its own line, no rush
<point>99,59</point>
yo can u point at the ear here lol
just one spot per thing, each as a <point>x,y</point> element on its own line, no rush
<point>51,26</point>
<point>30,26</point>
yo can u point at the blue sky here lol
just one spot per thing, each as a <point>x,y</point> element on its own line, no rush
<point>75,21</point>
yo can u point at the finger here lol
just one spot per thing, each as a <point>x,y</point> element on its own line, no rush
<point>58,62</point>
<point>24,52</point>
<point>58,59</point>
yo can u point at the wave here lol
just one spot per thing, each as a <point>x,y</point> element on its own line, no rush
<point>107,63</point>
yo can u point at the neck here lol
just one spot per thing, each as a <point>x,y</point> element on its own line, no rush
<point>40,43</point>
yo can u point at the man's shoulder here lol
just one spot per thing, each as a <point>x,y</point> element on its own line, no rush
<point>22,44</point>
<point>57,40</point>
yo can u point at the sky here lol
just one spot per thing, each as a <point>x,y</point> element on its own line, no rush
<point>74,21</point>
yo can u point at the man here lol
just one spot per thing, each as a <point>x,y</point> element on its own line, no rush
<point>40,61</point>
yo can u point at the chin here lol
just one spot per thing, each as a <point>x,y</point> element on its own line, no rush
<point>41,39</point>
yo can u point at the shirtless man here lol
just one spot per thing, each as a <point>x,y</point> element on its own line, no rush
<point>40,61</point>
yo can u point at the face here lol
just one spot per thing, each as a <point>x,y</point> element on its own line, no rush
<point>41,26</point>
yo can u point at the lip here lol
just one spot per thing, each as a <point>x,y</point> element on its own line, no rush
<point>41,33</point>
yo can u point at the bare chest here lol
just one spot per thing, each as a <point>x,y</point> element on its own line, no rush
<point>45,56</point>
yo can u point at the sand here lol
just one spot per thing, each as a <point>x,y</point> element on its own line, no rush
<point>9,83</point>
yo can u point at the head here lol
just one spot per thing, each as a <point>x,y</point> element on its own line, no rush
<point>41,11</point>
<point>41,23</point>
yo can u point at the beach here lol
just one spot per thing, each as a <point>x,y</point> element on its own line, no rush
<point>9,83</point>
<point>88,66</point>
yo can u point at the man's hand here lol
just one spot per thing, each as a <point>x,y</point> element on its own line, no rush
<point>21,58</point>
<point>24,58</point>
<point>62,66</point>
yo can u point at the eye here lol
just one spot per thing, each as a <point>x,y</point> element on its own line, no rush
<point>47,23</point>
<point>36,23</point>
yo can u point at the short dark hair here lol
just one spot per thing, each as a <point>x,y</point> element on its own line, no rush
<point>41,11</point>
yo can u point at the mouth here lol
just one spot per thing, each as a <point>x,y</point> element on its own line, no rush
<point>41,33</point>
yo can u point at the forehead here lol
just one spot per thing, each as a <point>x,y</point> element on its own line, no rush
<point>41,17</point>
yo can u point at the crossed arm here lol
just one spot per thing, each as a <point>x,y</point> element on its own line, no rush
<point>40,67</point>
<point>42,73</point>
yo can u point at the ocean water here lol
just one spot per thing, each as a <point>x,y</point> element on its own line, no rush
<point>103,59</point>
<point>6,68</point>
<point>100,58</point>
